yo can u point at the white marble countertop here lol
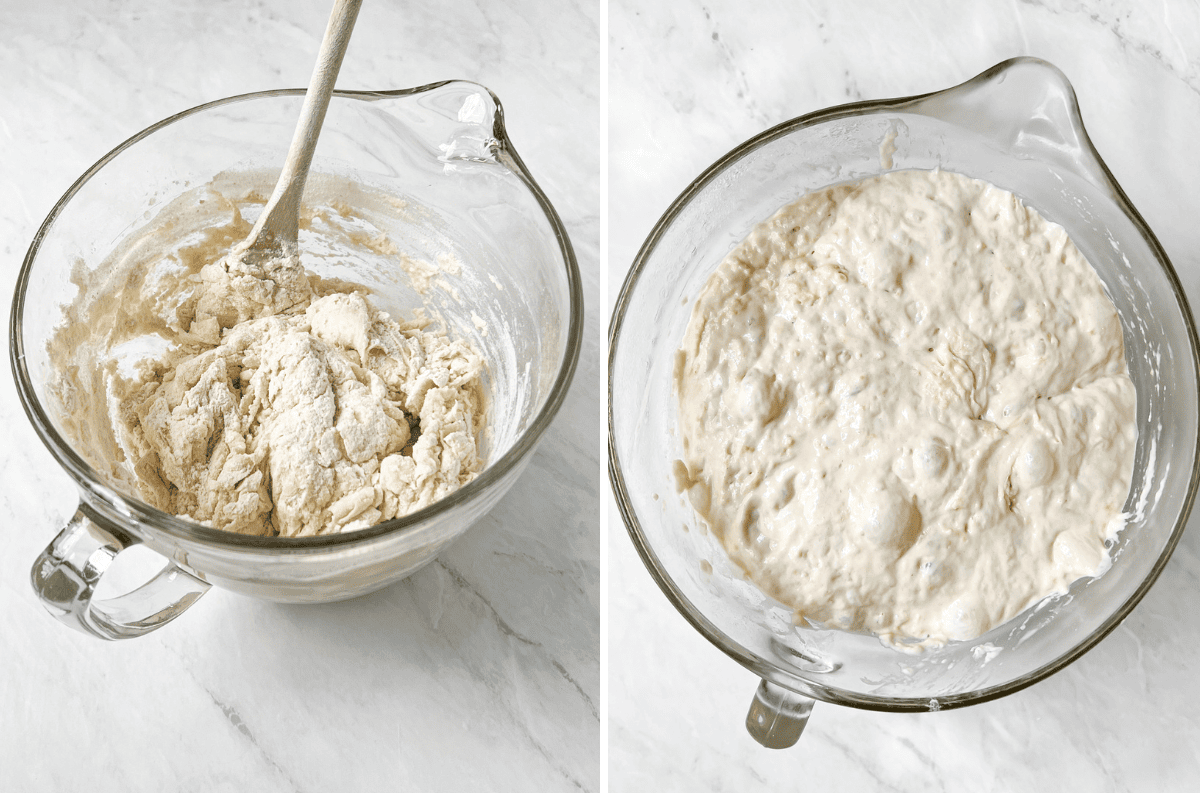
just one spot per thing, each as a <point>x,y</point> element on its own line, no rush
<point>481,672</point>
<point>689,80</point>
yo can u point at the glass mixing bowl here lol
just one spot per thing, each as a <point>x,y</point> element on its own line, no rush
<point>1017,126</point>
<point>442,153</point>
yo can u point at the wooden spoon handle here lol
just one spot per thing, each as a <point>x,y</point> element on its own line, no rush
<point>278,226</point>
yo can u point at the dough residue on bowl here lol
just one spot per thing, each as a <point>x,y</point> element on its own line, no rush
<point>260,398</point>
<point>905,408</point>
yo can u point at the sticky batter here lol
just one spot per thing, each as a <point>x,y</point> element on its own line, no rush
<point>905,408</point>
<point>271,401</point>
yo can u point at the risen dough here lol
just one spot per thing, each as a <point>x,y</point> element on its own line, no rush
<point>905,408</point>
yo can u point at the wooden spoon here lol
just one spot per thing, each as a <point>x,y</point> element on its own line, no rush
<point>274,235</point>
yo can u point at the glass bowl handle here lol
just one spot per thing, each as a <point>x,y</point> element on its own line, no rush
<point>777,715</point>
<point>66,574</point>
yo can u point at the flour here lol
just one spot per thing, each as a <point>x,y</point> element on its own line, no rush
<point>905,408</point>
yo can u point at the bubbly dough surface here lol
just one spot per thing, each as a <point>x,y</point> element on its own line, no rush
<point>905,408</point>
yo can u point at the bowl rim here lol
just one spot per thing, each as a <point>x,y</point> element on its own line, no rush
<point>142,515</point>
<point>715,635</point>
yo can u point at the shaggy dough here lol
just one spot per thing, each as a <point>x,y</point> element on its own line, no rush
<point>905,408</point>
<point>282,403</point>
